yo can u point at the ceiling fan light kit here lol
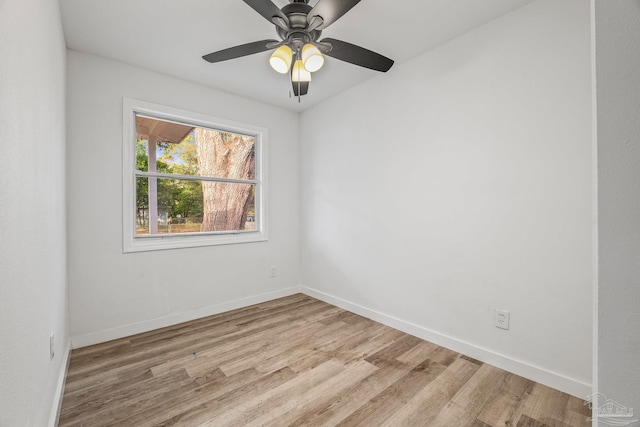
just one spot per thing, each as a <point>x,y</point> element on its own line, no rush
<point>312,58</point>
<point>299,27</point>
<point>300,73</point>
<point>281,59</point>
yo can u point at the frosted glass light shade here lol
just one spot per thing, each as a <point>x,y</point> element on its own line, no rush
<point>299,73</point>
<point>281,59</point>
<point>312,58</point>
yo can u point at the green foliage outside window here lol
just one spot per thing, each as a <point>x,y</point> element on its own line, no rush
<point>179,198</point>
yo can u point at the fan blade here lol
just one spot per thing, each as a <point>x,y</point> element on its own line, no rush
<point>330,11</point>
<point>358,55</point>
<point>304,88</point>
<point>239,51</point>
<point>267,9</point>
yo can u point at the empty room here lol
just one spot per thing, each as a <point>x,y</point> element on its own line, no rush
<point>319,212</point>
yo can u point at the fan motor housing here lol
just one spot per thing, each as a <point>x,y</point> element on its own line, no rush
<point>297,13</point>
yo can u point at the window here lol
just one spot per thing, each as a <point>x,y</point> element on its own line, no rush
<point>190,180</point>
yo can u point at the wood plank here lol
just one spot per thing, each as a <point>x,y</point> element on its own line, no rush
<point>502,410</point>
<point>220,352</point>
<point>469,401</point>
<point>308,401</point>
<point>423,407</point>
<point>196,408</point>
<point>361,393</point>
<point>277,346</point>
<point>552,407</point>
<point>274,398</point>
<point>211,339</point>
<point>394,397</point>
<point>371,340</point>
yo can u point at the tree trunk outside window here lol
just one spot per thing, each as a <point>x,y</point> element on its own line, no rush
<point>225,155</point>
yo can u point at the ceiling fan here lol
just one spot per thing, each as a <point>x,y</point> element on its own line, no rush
<point>299,26</point>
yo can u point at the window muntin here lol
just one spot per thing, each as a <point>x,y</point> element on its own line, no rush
<point>191,181</point>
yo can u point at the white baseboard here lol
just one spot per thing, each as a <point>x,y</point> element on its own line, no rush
<point>85,340</point>
<point>57,398</point>
<point>534,373</point>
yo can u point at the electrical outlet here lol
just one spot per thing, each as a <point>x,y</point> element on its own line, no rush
<point>501,319</point>
<point>272,271</point>
<point>52,346</point>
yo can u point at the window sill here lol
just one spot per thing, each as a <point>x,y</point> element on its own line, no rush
<point>164,242</point>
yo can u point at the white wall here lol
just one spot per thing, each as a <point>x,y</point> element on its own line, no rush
<point>33,295</point>
<point>114,294</point>
<point>617,54</point>
<point>460,182</point>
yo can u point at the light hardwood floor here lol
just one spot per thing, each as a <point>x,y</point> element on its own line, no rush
<point>298,361</point>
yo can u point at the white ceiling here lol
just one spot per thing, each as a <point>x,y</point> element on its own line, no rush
<point>170,37</point>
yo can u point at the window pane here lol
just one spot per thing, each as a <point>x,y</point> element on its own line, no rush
<point>142,155</point>
<point>182,206</point>
<point>228,206</point>
<point>197,151</point>
<point>142,206</point>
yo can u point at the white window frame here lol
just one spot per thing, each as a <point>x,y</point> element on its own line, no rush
<point>133,243</point>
